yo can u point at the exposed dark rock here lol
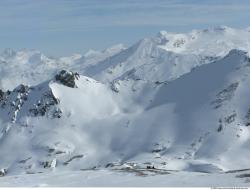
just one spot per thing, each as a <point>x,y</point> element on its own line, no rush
<point>248,114</point>
<point>225,95</point>
<point>46,164</point>
<point>72,158</point>
<point>248,117</point>
<point>55,151</point>
<point>158,82</point>
<point>24,161</point>
<point>236,171</point>
<point>1,95</point>
<point>230,118</point>
<point>115,86</point>
<point>243,175</point>
<point>150,167</point>
<point>156,150</point>
<point>22,89</point>
<point>46,106</point>
<point>220,128</point>
<point>3,172</point>
<point>49,164</point>
<point>15,99</point>
<point>109,165</point>
<point>67,78</point>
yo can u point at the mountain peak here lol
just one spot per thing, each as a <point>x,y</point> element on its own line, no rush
<point>67,78</point>
<point>115,48</point>
<point>91,52</point>
<point>217,41</point>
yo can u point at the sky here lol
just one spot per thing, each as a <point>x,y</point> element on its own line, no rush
<point>64,27</point>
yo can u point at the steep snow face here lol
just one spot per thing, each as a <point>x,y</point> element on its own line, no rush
<point>144,61</point>
<point>196,115</point>
<point>210,109</point>
<point>209,42</point>
<point>91,99</point>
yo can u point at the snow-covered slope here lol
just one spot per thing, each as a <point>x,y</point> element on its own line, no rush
<point>146,61</point>
<point>167,56</point>
<point>32,67</point>
<point>49,120</point>
<point>210,42</point>
<point>152,110</point>
<point>73,116</point>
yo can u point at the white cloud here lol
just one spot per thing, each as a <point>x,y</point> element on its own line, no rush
<point>79,15</point>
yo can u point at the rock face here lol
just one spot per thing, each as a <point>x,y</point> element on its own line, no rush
<point>29,101</point>
<point>1,95</point>
<point>3,172</point>
<point>46,105</point>
<point>14,100</point>
<point>49,164</point>
<point>67,78</point>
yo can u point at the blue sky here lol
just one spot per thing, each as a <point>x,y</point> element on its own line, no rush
<point>63,27</point>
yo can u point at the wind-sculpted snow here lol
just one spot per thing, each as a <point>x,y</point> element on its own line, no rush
<point>151,111</point>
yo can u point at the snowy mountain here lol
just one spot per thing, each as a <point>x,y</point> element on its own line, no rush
<point>33,67</point>
<point>173,102</point>
<point>211,42</point>
<point>167,56</point>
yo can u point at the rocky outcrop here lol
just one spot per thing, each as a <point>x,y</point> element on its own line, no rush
<point>14,100</point>
<point>225,95</point>
<point>46,106</point>
<point>3,172</point>
<point>67,78</point>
